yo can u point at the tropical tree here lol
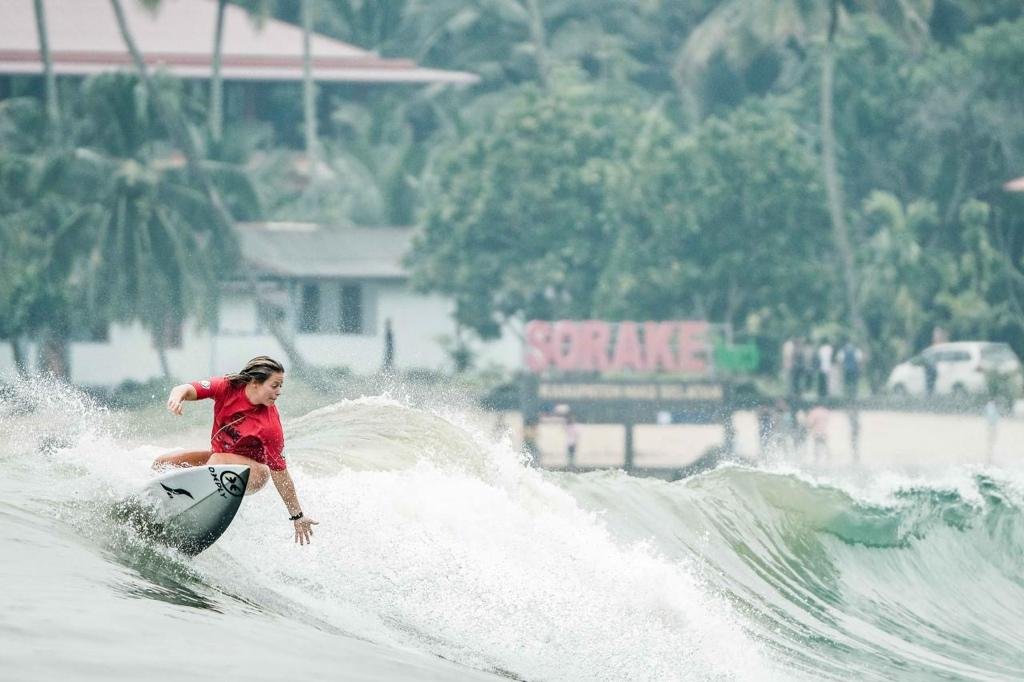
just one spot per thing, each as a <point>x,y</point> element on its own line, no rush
<point>145,260</point>
<point>221,234</point>
<point>33,297</point>
<point>706,231</point>
<point>744,28</point>
<point>515,220</point>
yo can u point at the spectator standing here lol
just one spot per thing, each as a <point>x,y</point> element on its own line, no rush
<point>854,416</point>
<point>931,374</point>
<point>766,420</point>
<point>850,357</point>
<point>571,440</point>
<point>824,368</point>
<point>388,365</point>
<point>796,373</point>
<point>787,361</point>
<point>810,365</point>
<point>817,428</point>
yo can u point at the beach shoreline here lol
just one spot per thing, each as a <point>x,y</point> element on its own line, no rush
<point>889,440</point>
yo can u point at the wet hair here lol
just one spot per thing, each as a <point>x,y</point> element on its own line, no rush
<point>256,371</point>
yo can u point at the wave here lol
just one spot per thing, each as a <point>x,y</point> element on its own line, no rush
<point>435,537</point>
<point>917,579</point>
<point>438,538</point>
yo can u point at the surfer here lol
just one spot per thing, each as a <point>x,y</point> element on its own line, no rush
<point>246,430</point>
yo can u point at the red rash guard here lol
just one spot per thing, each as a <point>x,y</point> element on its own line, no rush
<point>241,428</point>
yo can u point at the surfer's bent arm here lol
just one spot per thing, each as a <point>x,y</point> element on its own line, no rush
<point>303,524</point>
<point>179,394</point>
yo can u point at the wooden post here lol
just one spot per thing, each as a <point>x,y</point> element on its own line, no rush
<point>628,463</point>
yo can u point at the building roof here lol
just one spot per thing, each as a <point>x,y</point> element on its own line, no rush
<point>308,250</point>
<point>178,37</point>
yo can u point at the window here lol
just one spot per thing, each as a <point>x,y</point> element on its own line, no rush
<point>351,316</point>
<point>997,353</point>
<point>309,321</point>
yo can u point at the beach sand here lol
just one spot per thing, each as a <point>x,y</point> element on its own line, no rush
<point>910,441</point>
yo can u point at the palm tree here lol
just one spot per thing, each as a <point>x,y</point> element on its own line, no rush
<point>742,29</point>
<point>54,337</point>
<point>216,113</point>
<point>259,10</point>
<point>309,87</point>
<point>144,260</point>
<point>52,103</point>
<point>222,234</point>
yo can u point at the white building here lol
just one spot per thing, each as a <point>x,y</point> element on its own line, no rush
<point>334,287</point>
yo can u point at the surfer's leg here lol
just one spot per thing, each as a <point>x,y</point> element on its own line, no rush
<point>192,458</point>
<point>259,473</point>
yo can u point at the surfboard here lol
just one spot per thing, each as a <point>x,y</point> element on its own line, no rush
<point>190,508</point>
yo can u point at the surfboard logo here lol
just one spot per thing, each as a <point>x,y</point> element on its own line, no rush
<point>232,482</point>
<point>171,492</point>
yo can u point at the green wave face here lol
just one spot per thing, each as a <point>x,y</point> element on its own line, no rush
<point>925,584</point>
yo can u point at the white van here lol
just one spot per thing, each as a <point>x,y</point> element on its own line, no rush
<point>961,369</point>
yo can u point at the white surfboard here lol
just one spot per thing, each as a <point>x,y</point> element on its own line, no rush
<point>192,507</point>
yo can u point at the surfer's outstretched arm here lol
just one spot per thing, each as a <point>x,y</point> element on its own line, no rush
<point>303,524</point>
<point>179,394</point>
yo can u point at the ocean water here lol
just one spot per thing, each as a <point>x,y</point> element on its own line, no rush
<point>442,555</point>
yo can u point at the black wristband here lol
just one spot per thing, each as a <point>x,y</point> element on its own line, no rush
<point>296,517</point>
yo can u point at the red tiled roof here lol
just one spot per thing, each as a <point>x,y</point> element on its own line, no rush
<point>178,37</point>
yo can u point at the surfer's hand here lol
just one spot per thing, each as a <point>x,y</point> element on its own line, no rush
<point>174,405</point>
<point>304,530</point>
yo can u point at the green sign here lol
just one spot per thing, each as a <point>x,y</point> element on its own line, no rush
<point>737,358</point>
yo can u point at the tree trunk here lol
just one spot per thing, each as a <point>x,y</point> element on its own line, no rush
<point>52,104</point>
<point>20,364</point>
<point>175,123</point>
<point>308,87</point>
<point>216,115</point>
<point>53,351</point>
<point>537,35</point>
<point>161,351</point>
<point>833,186</point>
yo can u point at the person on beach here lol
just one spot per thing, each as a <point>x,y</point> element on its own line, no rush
<point>817,426</point>
<point>246,430</point>
<point>572,435</point>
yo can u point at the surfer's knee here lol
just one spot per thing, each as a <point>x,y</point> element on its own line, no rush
<point>259,474</point>
<point>173,460</point>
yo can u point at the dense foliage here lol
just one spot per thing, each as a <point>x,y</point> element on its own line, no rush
<point>642,159</point>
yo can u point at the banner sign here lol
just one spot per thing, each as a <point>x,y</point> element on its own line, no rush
<point>681,347</point>
<point>574,391</point>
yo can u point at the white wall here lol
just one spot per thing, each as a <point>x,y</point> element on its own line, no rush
<point>418,322</point>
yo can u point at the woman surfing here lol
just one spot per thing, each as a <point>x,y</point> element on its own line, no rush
<point>246,430</point>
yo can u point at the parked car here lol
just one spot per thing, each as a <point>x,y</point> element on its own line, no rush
<point>962,368</point>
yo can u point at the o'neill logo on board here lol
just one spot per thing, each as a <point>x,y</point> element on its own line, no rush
<point>597,346</point>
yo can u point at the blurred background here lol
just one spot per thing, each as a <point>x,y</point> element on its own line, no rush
<point>768,250</point>
<point>396,188</point>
